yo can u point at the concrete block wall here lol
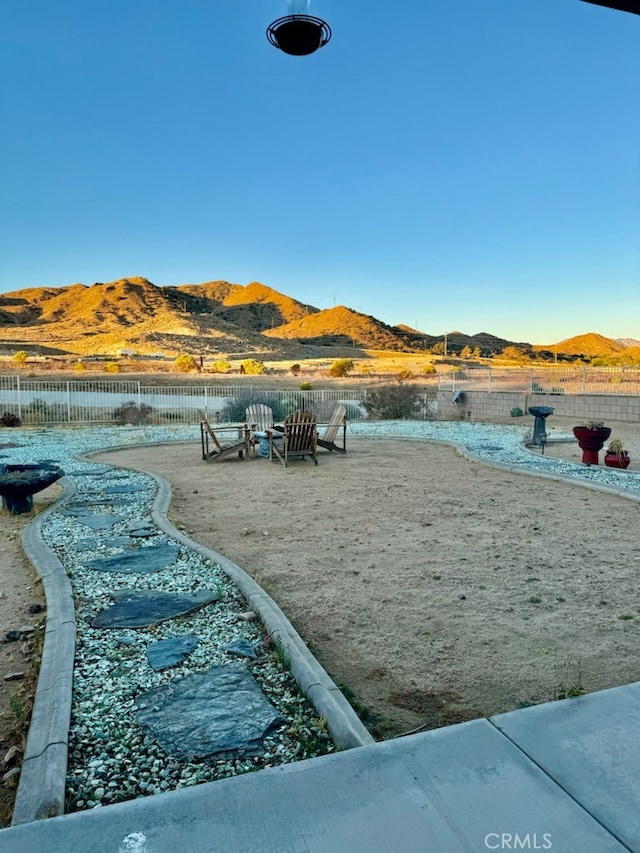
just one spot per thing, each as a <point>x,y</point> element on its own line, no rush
<point>495,406</point>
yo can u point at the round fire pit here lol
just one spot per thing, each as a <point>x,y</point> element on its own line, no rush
<point>19,483</point>
<point>299,35</point>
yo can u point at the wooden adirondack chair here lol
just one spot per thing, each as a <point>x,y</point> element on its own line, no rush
<point>338,419</point>
<point>215,448</point>
<point>258,418</point>
<point>298,440</point>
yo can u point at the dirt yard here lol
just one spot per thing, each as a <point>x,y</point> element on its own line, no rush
<point>432,588</point>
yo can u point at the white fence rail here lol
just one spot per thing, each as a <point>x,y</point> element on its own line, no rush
<point>81,402</point>
<point>41,401</point>
<point>624,381</point>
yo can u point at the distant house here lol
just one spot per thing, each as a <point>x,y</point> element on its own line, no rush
<point>126,353</point>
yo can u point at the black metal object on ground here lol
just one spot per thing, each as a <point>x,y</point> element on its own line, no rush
<point>19,483</point>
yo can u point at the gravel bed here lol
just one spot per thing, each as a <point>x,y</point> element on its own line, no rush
<point>110,757</point>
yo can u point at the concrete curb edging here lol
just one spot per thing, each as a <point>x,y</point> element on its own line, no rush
<point>42,786</point>
<point>547,475</point>
<point>345,727</point>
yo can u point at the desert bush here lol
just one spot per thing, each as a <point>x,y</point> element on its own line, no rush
<point>220,366</point>
<point>341,367</point>
<point>306,386</point>
<point>252,367</point>
<point>185,362</point>
<point>112,367</point>
<point>132,414</point>
<point>404,374</point>
<point>20,357</point>
<point>429,369</point>
<point>80,366</point>
<point>235,410</point>
<point>516,412</point>
<point>9,419</point>
<point>392,402</point>
<point>295,369</point>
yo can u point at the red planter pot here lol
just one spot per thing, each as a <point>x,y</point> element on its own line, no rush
<point>617,460</point>
<point>591,442</point>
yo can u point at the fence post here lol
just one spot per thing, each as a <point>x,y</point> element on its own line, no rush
<point>19,397</point>
<point>584,380</point>
<point>139,395</point>
<point>489,383</point>
<point>68,403</point>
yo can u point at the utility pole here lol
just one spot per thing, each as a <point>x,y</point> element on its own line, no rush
<point>445,344</point>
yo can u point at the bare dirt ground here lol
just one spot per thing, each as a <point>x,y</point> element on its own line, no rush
<point>433,588</point>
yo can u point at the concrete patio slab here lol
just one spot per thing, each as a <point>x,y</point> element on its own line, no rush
<point>590,746</point>
<point>461,789</point>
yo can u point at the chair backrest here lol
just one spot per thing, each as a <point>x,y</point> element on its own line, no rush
<point>335,422</point>
<point>300,431</point>
<point>259,417</point>
<point>205,426</point>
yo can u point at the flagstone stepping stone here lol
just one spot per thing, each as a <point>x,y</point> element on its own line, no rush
<point>140,608</point>
<point>169,652</point>
<point>242,648</point>
<point>95,501</point>
<point>124,488</point>
<point>97,472</point>
<point>97,522</point>
<point>150,559</point>
<point>141,527</point>
<point>220,712</point>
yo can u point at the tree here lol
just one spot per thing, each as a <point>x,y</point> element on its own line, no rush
<point>466,352</point>
<point>514,353</point>
<point>185,363</point>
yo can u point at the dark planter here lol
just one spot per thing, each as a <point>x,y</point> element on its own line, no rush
<point>591,442</point>
<point>19,483</point>
<point>617,460</point>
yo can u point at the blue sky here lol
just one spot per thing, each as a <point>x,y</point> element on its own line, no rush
<point>452,164</point>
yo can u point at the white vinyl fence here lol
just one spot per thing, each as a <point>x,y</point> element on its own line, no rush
<point>621,381</point>
<point>39,401</point>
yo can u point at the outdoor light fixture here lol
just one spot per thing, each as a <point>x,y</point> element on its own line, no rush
<point>298,33</point>
<point>621,5</point>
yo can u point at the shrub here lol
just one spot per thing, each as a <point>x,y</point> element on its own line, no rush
<point>295,369</point>
<point>20,357</point>
<point>252,367</point>
<point>79,366</point>
<point>112,367</point>
<point>516,412</point>
<point>132,413</point>
<point>392,402</point>
<point>185,362</point>
<point>429,369</point>
<point>404,374</point>
<point>235,410</point>
<point>341,367</point>
<point>9,419</point>
<point>306,386</point>
<point>220,366</point>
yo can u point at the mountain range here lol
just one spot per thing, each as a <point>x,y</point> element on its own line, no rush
<point>221,318</point>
